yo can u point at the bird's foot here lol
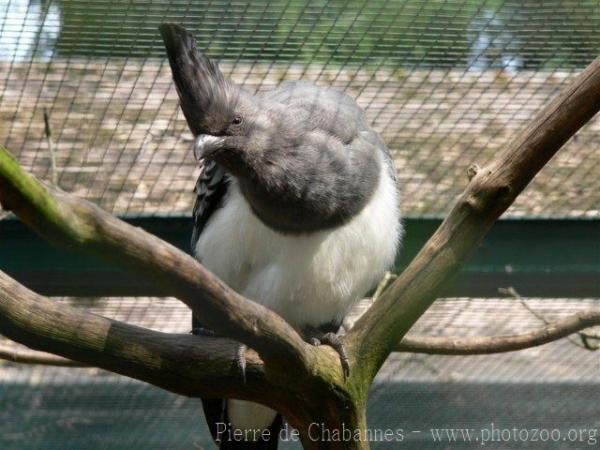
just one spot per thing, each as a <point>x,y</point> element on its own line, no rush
<point>335,342</point>
<point>240,353</point>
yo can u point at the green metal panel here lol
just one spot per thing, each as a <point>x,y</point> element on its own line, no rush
<point>549,258</point>
<point>100,414</point>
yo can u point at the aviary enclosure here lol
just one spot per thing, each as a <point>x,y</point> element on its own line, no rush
<point>474,98</point>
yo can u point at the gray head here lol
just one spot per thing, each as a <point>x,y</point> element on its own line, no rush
<point>304,158</point>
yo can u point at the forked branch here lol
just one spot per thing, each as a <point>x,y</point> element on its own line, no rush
<point>489,193</point>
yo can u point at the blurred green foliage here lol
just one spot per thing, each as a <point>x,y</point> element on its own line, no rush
<point>429,33</point>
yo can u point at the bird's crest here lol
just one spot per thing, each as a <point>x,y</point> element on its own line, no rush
<point>206,96</point>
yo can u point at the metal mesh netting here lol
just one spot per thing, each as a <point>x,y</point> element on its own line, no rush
<point>445,83</point>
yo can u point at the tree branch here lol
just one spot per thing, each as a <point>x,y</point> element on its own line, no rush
<point>75,223</point>
<point>432,345</point>
<point>489,193</point>
<point>180,363</point>
<point>8,353</point>
<point>454,345</point>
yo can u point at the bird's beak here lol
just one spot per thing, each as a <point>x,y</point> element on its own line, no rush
<point>205,145</point>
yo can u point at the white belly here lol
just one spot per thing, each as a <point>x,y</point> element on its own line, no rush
<point>307,279</point>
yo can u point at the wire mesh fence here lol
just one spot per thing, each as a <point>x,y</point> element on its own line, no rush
<point>446,83</point>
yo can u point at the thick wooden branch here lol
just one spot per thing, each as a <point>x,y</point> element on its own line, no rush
<point>180,363</point>
<point>454,345</point>
<point>432,345</point>
<point>489,193</point>
<point>75,223</point>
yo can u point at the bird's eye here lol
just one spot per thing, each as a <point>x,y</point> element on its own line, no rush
<point>237,120</point>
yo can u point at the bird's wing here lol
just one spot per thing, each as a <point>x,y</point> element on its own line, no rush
<point>210,190</point>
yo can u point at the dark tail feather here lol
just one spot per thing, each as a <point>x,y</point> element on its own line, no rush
<point>215,412</point>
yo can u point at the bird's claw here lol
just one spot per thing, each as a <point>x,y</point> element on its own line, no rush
<point>240,360</point>
<point>335,342</point>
